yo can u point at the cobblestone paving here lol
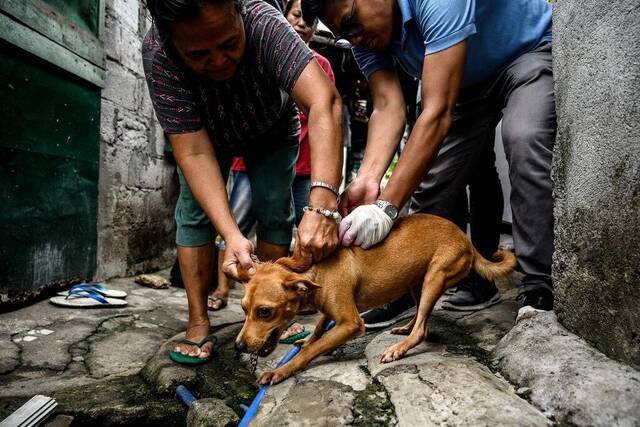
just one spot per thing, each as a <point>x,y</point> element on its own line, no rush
<point>110,367</point>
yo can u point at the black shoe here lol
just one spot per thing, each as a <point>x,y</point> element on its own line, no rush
<point>389,314</point>
<point>474,293</point>
<point>538,298</point>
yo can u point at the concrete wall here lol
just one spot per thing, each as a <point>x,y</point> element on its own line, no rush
<point>137,188</point>
<point>597,173</point>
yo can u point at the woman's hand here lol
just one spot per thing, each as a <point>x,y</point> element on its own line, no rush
<point>237,263</point>
<point>317,235</point>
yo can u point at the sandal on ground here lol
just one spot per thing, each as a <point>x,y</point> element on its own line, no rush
<point>291,339</point>
<point>98,288</point>
<point>185,359</point>
<point>82,298</point>
<point>214,299</point>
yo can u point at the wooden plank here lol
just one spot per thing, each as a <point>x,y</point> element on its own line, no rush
<point>40,414</point>
<point>32,412</point>
<point>39,45</point>
<point>41,18</point>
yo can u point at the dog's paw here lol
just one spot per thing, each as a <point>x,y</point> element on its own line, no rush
<point>392,353</point>
<point>273,377</point>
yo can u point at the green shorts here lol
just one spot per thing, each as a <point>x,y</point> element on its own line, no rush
<point>271,172</point>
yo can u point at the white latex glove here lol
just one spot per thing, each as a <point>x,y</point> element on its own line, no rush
<point>366,226</point>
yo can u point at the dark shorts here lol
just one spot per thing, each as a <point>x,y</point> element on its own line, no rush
<point>271,173</point>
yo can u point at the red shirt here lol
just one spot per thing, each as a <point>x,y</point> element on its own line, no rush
<point>303,166</point>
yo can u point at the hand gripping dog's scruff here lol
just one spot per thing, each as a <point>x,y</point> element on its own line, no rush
<point>423,255</point>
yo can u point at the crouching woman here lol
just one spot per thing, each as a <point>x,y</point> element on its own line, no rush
<point>224,77</point>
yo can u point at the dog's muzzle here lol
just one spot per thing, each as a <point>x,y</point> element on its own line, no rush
<point>270,344</point>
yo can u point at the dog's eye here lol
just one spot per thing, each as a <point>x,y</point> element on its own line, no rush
<point>263,312</point>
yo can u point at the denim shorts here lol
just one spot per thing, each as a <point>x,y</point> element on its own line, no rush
<point>271,172</point>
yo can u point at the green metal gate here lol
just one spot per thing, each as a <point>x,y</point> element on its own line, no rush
<point>51,73</point>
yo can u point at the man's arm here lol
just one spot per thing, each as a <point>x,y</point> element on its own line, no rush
<point>386,126</point>
<point>319,99</point>
<point>196,158</point>
<point>441,77</point>
<point>442,73</point>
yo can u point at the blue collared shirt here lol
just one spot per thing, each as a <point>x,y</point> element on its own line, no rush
<point>497,32</point>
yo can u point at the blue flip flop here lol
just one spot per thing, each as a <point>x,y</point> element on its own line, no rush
<point>84,298</point>
<point>98,288</point>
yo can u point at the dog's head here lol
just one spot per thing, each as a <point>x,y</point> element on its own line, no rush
<point>271,299</point>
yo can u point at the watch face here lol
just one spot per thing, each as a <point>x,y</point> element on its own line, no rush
<point>391,211</point>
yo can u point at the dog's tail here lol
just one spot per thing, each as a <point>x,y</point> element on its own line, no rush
<point>504,262</point>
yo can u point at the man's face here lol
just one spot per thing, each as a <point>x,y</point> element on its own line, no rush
<point>212,44</point>
<point>365,23</point>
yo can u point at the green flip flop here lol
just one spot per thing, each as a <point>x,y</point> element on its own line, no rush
<point>184,359</point>
<point>295,337</point>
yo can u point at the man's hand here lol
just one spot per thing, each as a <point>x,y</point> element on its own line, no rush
<point>237,263</point>
<point>366,226</point>
<point>317,235</point>
<point>361,191</point>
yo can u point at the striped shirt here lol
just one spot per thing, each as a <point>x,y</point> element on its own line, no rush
<point>251,108</point>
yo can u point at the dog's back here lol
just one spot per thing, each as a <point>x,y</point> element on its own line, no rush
<point>390,269</point>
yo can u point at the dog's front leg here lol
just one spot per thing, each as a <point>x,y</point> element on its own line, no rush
<point>318,331</point>
<point>338,335</point>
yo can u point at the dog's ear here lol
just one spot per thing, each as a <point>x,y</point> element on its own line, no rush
<point>299,262</point>
<point>300,285</point>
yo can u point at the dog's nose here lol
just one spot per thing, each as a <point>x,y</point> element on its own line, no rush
<point>241,346</point>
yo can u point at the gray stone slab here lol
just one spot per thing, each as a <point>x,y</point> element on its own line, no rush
<point>52,351</point>
<point>422,353</point>
<point>311,403</point>
<point>123,352</point>
<point>118,401</point>
<point>30,383</point>
<point>163,375</point>
<point>431,387</point>
<point>9,355</point>
<point>211,413</point>
<point>348,372</point>
<point>567,377</point>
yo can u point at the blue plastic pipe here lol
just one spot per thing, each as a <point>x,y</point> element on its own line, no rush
<point>255,404</point>
<point>185,395</point>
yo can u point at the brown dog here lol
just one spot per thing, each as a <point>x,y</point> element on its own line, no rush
<point>423,255</point>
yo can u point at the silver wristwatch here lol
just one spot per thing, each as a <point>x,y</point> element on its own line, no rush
<point>388,208</point>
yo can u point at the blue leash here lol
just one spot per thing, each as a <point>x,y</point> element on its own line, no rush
<point>255,404</point>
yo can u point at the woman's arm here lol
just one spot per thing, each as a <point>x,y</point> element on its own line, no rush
<point>196,158</point>
<point>319,99</point>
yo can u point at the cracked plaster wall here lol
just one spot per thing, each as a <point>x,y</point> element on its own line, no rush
<point>137,188</point>
<point>596,173</point>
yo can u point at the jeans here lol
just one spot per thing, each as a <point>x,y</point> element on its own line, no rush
<point>522,95</point>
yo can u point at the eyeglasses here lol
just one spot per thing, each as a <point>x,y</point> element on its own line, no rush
<point>350,27</point>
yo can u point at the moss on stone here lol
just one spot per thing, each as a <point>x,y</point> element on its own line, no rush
<point>373,407</point>
<point>125,401</point>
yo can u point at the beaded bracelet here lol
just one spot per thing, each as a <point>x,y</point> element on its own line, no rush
<point>324,212</point>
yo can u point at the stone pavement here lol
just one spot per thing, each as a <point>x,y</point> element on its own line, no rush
<point>110,367</point>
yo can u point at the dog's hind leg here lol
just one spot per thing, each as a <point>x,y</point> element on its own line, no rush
<point>406,329</point>
<point>432,288</point>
